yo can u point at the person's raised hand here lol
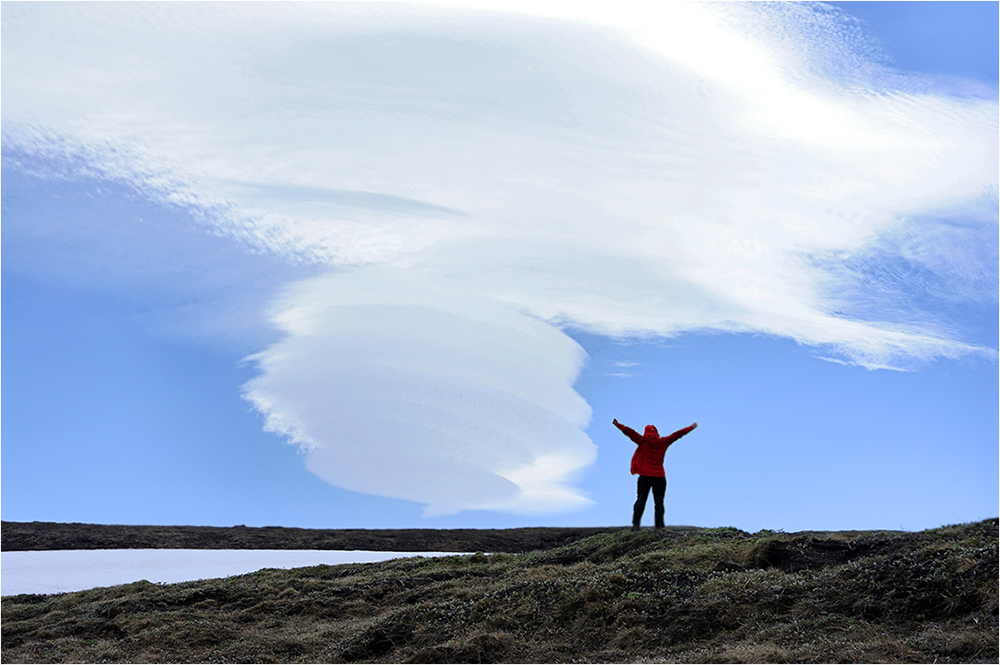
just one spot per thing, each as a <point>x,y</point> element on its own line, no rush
<point>694,425</point>
<point>614,422</point>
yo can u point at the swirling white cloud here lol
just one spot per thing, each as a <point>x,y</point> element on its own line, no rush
<point>474,180</point>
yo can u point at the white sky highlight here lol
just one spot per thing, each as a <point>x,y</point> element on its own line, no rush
<point>476,179</point>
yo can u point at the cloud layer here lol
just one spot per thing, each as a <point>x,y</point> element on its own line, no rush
<point>474,180</point>
<point>399,386</point>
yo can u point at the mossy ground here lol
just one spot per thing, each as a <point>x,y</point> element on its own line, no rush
<point>716,595</point>
<point>23,536</point>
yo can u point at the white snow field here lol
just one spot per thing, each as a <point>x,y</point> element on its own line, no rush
<point>59,571</point>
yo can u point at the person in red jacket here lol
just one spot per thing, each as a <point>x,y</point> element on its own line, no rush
<point>647,463</point>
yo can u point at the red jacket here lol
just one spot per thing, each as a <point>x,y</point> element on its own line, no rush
<point>648,457</point>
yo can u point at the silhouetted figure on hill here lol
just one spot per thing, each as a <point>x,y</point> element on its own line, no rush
<point>647,463</point>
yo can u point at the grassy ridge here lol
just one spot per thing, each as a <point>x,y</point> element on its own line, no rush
<point>710,595</point>
<point>25,536</point>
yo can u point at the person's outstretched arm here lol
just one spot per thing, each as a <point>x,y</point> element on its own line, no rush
<point>628,431</point>
<point>678,434</point>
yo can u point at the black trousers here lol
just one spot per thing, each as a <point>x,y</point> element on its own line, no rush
<point>659,487</point>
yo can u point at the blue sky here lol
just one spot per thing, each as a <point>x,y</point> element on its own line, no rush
<point>400,265</point>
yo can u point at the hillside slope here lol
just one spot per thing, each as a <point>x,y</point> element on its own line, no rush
<point>710,595</point>
<point>23,536</point>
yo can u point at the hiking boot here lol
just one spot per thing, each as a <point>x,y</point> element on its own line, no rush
<point>635,527</point>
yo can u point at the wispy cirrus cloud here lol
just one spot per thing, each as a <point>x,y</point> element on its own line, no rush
<point>476,179</point>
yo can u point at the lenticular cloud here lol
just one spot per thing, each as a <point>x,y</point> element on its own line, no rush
<point>470,181</point>
<point>397,386</point>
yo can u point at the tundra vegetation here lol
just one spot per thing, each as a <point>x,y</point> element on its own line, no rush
<point>677,595</point>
